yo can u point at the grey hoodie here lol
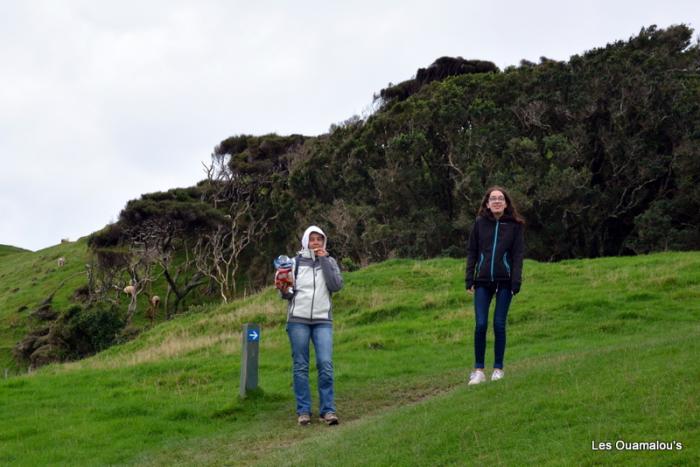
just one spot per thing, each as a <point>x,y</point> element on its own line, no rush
<point>316,280</point>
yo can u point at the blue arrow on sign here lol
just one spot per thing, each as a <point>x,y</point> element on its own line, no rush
<point>253,335</point>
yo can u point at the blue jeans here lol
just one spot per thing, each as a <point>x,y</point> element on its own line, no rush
<point>482,300</point>
<point>322,337</point>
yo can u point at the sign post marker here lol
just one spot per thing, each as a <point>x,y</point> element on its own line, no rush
<point>249,358</point>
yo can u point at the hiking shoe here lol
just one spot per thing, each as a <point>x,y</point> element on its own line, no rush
<point>329,418</point>
<point>476,377</point>
<point>304,419</point>
<point>497,374</point>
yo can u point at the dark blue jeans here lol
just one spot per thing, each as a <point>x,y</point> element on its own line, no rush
<point>322,337</point>
<point>482,300</point>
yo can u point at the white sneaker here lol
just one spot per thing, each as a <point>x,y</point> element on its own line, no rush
<point>476,377</point>
<point>497,374</point>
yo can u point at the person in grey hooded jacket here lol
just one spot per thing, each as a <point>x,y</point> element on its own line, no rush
<point>309,318</point>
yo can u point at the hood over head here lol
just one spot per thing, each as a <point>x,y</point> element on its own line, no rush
<point>307,233</point>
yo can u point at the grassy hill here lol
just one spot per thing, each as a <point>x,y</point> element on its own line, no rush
<point>26,279</point>
<point>599,351</point>
<point>8,250</point>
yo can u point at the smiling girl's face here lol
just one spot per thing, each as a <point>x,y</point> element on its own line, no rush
<point>497,203</point>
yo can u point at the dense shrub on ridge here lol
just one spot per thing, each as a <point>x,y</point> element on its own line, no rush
<point>601,153</point>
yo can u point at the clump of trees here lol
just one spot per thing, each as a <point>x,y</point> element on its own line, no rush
<point>601,153</point>
<point>198,238</point>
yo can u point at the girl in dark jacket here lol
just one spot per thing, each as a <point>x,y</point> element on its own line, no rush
<point>494,267</point>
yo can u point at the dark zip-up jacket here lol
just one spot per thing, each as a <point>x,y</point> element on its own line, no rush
<point>495,252</point>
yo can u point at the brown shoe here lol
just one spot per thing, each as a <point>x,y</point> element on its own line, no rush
<point>304,419</point>
<point>329,418</point>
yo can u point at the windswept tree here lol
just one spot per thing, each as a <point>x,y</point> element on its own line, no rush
<point>167,226</point>
<point>155,235</point>
<point>243,178</point>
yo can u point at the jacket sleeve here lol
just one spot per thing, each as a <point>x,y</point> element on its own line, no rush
<point>331,273</point>
<point>472,254</point>
<point>518,256</point>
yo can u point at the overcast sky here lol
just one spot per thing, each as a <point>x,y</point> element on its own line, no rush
<point>102,101</point>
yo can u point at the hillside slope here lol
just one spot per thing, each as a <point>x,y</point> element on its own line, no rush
<point>599,350</point>
<point>28,278</point>
<point>8,250</point>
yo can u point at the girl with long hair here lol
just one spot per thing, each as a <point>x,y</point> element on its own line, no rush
<point>494,268</point>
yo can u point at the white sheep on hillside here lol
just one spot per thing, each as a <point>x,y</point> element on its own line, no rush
<point>61,262</point>
<point>130,290</point>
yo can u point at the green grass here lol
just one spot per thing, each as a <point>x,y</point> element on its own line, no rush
<point>598,350</point>
<point>28,278</point>
<point>10,250</point>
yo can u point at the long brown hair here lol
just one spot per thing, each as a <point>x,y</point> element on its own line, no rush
<point>510,210</point>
